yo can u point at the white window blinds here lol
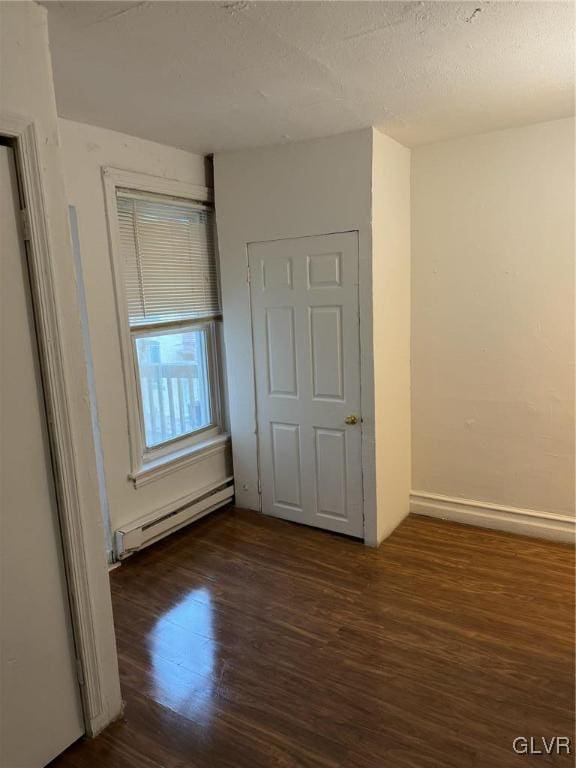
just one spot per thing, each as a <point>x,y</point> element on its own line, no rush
<point>169,259</point>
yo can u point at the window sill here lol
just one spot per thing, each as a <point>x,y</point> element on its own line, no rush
<point>165,465</point>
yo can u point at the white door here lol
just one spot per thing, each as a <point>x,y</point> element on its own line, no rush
<point>40,709</point>
<point>305,319</point>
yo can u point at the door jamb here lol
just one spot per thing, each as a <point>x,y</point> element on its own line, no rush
<point>254,387</point>
<point>74,541</point>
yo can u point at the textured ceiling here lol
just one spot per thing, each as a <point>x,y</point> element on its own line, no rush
<point>208,76</point>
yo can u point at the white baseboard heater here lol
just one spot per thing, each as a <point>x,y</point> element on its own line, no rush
<point>151,528</point>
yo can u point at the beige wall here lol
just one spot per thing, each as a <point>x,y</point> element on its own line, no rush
<point>86,149</point>
<point>391,328</point>
<point>493,318</point>
<point>27,90</point>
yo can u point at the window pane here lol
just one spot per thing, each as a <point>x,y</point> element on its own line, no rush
<point>174,385</point>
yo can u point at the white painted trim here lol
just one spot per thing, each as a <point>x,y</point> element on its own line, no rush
<point>528,522</point>
<point>87,346</point>
<point>142,472</point>
<point>158,185</point>
<point>75,544</point>
<point>180,459</point>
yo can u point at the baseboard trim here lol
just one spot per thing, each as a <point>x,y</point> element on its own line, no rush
<point>528,522</point>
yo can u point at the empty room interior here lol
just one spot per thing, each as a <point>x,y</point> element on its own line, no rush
<point>288,387</point>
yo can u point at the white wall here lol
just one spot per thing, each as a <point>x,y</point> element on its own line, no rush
<point>290,190</point>
<point>493,318</point>
<point>391,328</point>
<point>310,188</point>
<point>86,149</point>
<point>27,90</point>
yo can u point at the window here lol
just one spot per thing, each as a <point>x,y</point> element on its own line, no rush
<point>174,379</point>
<point>166,264</point>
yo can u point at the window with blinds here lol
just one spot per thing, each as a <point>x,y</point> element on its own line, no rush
<point>168,252</point>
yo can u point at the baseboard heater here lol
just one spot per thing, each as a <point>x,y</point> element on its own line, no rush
<point>151,528</point>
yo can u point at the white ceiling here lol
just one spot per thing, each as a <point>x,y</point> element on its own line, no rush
<point>208,76</point>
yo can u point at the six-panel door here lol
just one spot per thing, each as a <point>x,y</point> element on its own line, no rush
<point>304,296</point>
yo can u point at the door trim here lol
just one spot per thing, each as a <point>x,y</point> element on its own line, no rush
<point>363,435</point>
<point>74,540</point>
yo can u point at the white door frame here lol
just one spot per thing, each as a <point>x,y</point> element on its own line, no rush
<point>367,538</point>
<point>74,540</point>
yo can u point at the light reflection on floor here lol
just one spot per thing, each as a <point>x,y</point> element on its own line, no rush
<point>182,646</point>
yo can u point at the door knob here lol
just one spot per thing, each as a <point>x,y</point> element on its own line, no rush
<point>352,419</point>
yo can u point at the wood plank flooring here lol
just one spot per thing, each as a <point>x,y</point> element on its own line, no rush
<point>249,642</point>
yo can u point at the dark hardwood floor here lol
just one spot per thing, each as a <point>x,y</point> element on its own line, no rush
<point>248,642</point>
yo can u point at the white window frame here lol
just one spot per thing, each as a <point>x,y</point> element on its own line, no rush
<point>198,435</point>
<point>147,464</point>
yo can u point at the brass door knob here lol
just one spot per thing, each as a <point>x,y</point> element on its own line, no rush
<point>352,419</point>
